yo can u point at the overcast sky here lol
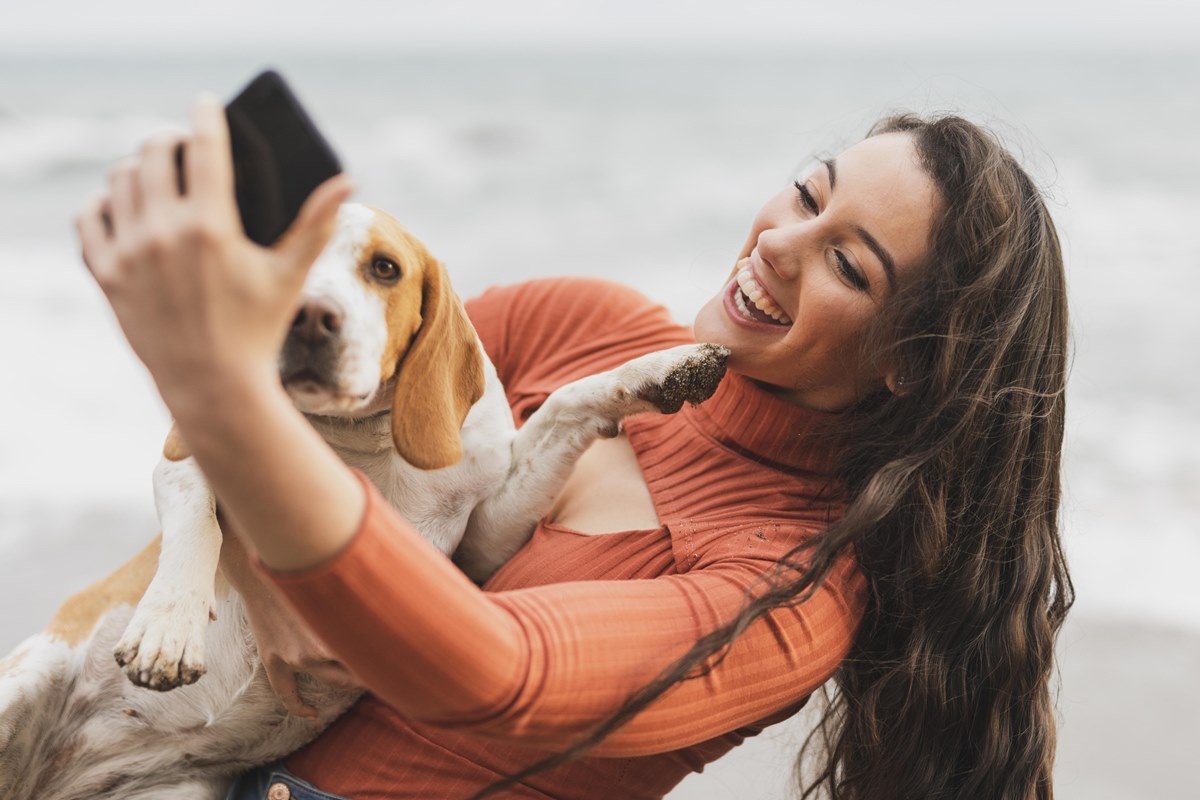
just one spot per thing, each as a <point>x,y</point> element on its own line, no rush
<point>121,25</point>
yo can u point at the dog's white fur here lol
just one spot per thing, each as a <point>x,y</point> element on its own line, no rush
<point>72,725</point>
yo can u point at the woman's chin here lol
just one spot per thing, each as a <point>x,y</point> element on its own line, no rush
<point>712,326</point>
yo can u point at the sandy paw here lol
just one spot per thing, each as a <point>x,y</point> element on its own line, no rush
<point>670,378</point>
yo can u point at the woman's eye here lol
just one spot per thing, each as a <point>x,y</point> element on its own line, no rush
<point>848,271</point>
<point>385,270</point>
<point>806,197</point>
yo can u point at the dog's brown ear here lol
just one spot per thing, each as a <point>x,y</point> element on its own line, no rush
<point>439,379</point>
<point>175,448</point>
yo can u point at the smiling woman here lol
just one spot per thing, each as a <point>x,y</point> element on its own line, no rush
<point>871,495</point>
<point>821,259</point>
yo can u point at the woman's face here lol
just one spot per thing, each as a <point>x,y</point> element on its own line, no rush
<point>821,260</point>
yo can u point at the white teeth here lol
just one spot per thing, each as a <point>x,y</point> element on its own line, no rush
<point>751,290</point>
<point>739,300</point>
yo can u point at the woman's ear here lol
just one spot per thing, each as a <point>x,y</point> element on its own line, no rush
<point>439,379</point>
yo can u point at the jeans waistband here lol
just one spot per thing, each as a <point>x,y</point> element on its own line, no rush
<point>274,782</point>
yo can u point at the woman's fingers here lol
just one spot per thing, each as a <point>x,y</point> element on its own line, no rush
<point>333,673</point>
<point>283,680</point>
<point>95,236</point>
<point>314,225</point>
<point>209,163</point>
<point>125,194</point>
<point>158,176</point>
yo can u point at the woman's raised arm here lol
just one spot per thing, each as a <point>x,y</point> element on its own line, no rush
<point>207,310</point>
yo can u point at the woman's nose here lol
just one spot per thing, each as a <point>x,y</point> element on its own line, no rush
<point>785,250</point>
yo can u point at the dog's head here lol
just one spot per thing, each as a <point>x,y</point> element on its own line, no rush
<point>380,327</point>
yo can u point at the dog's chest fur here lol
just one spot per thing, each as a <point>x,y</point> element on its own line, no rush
<point>436,502</point>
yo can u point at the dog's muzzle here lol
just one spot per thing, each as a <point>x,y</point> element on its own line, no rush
<point>311,349</point>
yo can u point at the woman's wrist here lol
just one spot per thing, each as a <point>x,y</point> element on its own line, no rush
<point>207,403</point>
<point>279,484</point>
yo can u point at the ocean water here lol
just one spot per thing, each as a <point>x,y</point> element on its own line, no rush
<point>645,169</point>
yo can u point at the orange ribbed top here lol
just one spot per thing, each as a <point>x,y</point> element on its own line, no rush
<point>470,685</point>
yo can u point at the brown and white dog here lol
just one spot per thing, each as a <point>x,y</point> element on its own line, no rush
<point>385,364</point>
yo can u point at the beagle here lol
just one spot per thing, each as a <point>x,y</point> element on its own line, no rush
<point>383,361</point>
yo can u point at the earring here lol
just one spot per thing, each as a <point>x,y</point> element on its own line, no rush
<point>900,380</point>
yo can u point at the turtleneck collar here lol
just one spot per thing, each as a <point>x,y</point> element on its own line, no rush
<point>744,416</point>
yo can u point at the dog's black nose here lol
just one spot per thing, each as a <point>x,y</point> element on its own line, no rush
<point>317,321</point>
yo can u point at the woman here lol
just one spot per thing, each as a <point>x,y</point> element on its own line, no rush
<point>871,495</point>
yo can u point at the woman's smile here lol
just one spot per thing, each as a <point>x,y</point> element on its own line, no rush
<point>748,303</point>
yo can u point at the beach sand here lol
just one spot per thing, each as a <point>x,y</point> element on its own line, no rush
<point>1129,702</point>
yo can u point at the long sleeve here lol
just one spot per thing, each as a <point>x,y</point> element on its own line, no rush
<point>537,664</point>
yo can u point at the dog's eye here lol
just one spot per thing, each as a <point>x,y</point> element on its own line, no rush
<point>385,270</point>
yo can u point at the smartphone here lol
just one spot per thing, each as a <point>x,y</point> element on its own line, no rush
<point>279,156</point>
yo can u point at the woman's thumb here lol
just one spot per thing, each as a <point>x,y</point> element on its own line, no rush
<point>314,225</point>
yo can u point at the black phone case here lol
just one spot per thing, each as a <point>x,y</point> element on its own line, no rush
<point>279,156</point>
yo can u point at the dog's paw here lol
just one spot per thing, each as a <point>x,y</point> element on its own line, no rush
<point>669,378</point>
<point>163,645</point>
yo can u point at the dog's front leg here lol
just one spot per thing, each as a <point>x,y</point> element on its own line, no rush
<point>163,646</point>
<point>547,446</point>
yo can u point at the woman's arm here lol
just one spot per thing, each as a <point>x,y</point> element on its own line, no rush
<point>207,311</point>
<point>544,664</point>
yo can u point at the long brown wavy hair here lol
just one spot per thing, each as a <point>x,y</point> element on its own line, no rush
<point>954,485</point>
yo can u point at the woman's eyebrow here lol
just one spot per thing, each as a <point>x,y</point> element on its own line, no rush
<point>885,258</point>
<point>831,165</point>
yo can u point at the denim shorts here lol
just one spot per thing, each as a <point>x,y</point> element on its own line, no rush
<point>273,782</point>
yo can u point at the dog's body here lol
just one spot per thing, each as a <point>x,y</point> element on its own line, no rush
<point>393,377</point>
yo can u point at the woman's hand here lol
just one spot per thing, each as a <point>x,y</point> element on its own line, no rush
<point>207,311</point>
<point>200,303</point>
<point>285,644</point>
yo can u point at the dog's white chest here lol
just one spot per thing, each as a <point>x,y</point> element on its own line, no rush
<point>435,502</point>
